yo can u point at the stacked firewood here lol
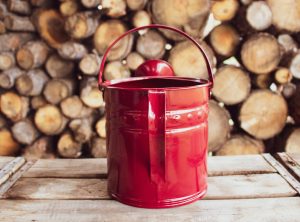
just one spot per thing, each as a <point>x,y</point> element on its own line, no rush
<point>50,52</point>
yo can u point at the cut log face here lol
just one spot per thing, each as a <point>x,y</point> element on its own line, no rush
<point>293,141</point>
<point>90,94</point>
<point>295,66</point>
<point>13,41</point>
<point>106,33</point>
<point>32,83</point>
<point>288,43</point>
<point>224,10</point>
<point>224,40</point>
<point>283,75</point>
<point>9,77</point>
<point>263,114</point>
<point>141,18</point>
<point>49,120</point>
<point>116,70</point>
<point>259,15</point>
<point>13,106</point>
<point>7,60</point>
<point>32,55</point>
<point>58,67</point>
<point>90,64</point>
<point>50,25</point>
<point>98,147</point>
<point>286,14</point>
<point>2,27</point>
<point>241,145</point>
<point>115,8</point>
<point>68,147</point>
<point>43,148</point>
<point>151,45</point>
<point>219,128</point>
<point>262,81</point>
<point>189,15</point>
<point>136,4</point>
<point>58,89</point>
<point>24,132</point>
<point>81,129</point>
<point>100,127</point>
<point>68,8</point>
<point>81,25</point>
<point>134,60</point>
<point>187,61</point>
<point>8,146</point>
<point>72,107</point>
<point>90,3</point>
<point>231,85</point>
<point>37,102</point>
<point>261,53</point>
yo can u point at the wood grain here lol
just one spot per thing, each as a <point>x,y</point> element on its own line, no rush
<point>258,210</point>
<point>220,187</point>
<point>4,160</point>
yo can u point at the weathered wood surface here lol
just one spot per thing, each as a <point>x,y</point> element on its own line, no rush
<point>10,168</point>
<point>291,162</point>
<point>258,210</point>
<point>4,160</point>
<point>83,168</point>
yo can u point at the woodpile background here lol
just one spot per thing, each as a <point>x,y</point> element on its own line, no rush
<point>50,53</point>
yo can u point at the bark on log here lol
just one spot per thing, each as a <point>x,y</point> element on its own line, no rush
<point>8,146</point>
<point>261,53</point>
<point>81,129</point>
<point>67,146</point>
<point>3,10</point>
<point>224,10</point>
<point>136,4</point>
<point>24,132</point>
<point>116,70</point>
<point>50,25</point>
<point>287,43</point>
<point>141,18</point>
<point>219,128</point>
<point>13,106</point>
<point>286,14</point>
<point>81,25</point>
<point>19,6</point>
<point>32,83</point>
<point>263,114</point>
<point>90,3</point>
<point>42,3</point>
<point>90,94</point>
<point>241,145</point>
<point>68,8</point>
<point>151,45</point>
<point>72,107</point>
<point>294,105</point>
<point>293,141</point>
<point>38,102</point>
<point>106,33</point>
<point>58,67</point>
<point>98,147</point>
<point>134,60</point>
<point>72,51</point>
<point>49,120</point>
<point>32,55</point>
<point>2,27</point>
<point>259,15</point>
<point>7,60</point>
<point>114,8</point>
<point>3,121</point>
<point>90,64</point>
<point>232,85</point>
<point>288,90</point>
<point>18,23</point>
<point>43,148</point>
<point>187,61</point>
<point>13,41</point>
<point>189,15</point>
<point>224,39</point>
<point>100,127</point>
<point>262,81</point>
<point>57,89</point>
<point>9,77</point>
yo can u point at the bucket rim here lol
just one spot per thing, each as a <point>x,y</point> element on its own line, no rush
<point>111,84</point>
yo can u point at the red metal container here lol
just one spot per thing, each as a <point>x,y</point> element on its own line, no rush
<point>157,134</point>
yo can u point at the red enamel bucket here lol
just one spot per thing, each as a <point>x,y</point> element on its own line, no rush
<point>157,134</point>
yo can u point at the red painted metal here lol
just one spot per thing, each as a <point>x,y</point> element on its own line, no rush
<point>154,67</point>
<point>157,135</point>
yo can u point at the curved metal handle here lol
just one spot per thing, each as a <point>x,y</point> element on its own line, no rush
<point>210,76</point>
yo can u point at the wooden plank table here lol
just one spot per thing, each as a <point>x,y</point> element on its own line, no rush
<point>241,188</point>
